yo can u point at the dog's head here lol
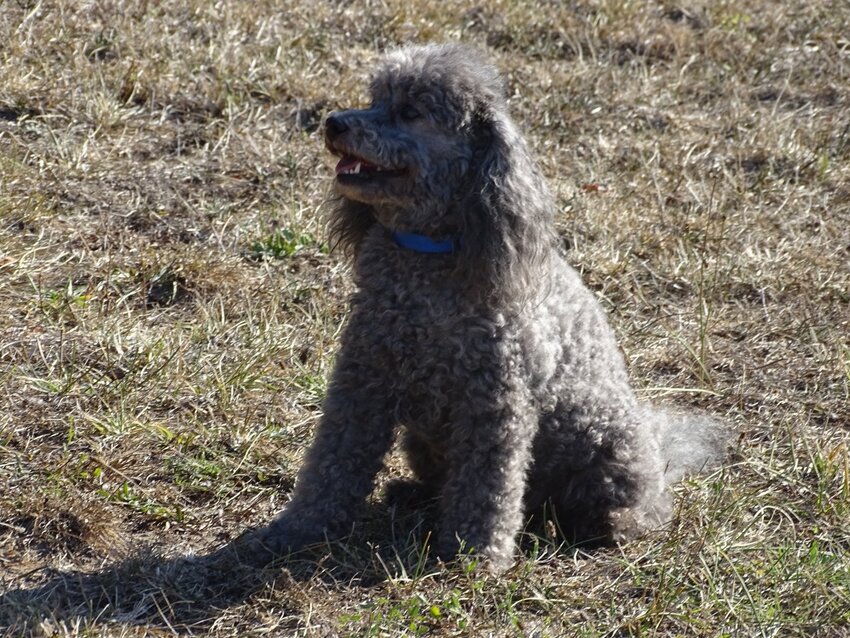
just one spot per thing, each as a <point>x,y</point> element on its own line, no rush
<point>436,153</point>
<point>409,153</point>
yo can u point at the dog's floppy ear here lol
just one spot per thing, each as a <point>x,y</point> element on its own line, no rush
<point>506,216</point>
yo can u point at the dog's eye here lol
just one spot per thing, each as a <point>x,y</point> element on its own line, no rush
<point>409,113</point>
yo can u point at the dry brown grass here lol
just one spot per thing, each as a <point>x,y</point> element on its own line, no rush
<point>170,309</point>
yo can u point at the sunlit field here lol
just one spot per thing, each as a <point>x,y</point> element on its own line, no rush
<point>170,309</point>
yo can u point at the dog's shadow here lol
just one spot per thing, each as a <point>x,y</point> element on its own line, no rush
<point>186,594</point>
<point>181,593</point>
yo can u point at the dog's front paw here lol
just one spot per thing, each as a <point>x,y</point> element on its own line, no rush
<point>266,545</point>
<point>487,558</point>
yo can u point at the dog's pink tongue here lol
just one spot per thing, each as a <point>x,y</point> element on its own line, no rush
<point>346,164</point>
<point>350,164</point>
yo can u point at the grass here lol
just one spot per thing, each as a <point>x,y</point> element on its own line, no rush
<point>170,309</point>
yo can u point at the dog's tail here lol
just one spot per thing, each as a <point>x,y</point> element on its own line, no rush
<point>690,443</point>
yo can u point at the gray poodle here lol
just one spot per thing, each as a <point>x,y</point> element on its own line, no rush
<point>471,334</point>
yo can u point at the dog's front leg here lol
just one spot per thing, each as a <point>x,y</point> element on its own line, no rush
<point>488,458</point>
<point>340,467</point>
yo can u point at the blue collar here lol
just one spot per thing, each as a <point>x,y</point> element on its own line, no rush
<point>423,244</point>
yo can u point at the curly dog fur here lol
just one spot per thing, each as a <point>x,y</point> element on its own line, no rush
<point>493,358</point>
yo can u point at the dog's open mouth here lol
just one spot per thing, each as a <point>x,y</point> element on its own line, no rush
<point>351,166</point>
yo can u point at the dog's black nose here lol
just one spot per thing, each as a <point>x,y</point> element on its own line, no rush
<point>335,126</point>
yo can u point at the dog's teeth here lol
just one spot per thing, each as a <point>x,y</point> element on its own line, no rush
<point>356,169</point>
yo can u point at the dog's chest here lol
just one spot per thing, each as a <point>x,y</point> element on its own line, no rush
<point>431,343</point>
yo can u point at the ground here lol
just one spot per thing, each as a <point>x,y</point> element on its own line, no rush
<point>170,309</point>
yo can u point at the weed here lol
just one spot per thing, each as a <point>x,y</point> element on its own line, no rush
<point>283,243</point>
